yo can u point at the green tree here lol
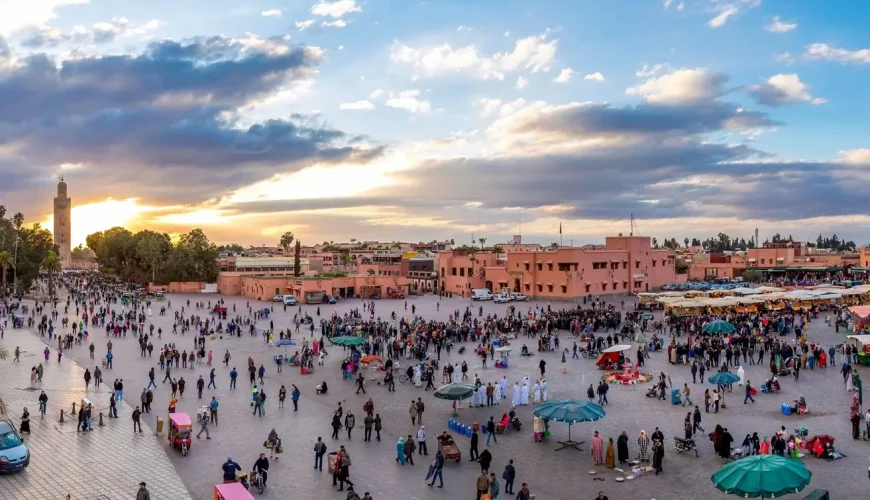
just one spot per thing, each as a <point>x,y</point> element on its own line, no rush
<point>686,241</point>
<point>232,247</point>
<point>153,249</point>
<point>497,250</point>
<point>297,259</point>
<point>753,276</point>
<point>80,253</point>
<point>370,272</point>
<point>286,241</point>
<point>51,265</point>
<point>7,260</point>
<point>344,258</point>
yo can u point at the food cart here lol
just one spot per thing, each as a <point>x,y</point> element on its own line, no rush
<point>231,491</point>
<point>448,449</point>
<point>180,429</point>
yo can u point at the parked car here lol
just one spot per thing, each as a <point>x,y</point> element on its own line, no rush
<point>14,455</point>
<point>329,299</point>
<point>289,300</point>
<point>481,294</point>
<point>278,298</point>
<point>519,297</point>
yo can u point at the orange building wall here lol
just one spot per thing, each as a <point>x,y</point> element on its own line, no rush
<point>178,287</point>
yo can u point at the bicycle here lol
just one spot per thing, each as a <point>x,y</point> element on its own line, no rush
<point>256,480</point>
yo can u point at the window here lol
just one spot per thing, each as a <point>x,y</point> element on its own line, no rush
<point>442,271</point>
<point>588,287</point>
<point>604,287</point>
<point>549,267</point>
<point>454,271</point>
<point>615,286</point>
<point>624,265</point>
<point>637,284</point>
<point>470,271</point>
<point>564,289</point>
<point>540,267</point>
<point>624,285</point>
<point>654,263</point>
<point>637,264</point>
<point>528,287</point>
<point>550,288</point>
<point>462,271</point>
<point>527,267</point>
<point>540,288</point>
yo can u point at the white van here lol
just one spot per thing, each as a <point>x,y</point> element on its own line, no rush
<point>501,298</point>
<point>289,300</point>
<point>481,294</point>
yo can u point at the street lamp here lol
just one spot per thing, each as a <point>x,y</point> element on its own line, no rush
<point>15,266</point>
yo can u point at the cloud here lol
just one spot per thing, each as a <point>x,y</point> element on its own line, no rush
<point>785,57</point>
<point>376,93</point>
<point>303,25</point>
<point>779,26</point>
<point>47,36</point>
<point>564,76</point>
<point>408,100</point>
<point>783,89</point>
<point>18,15</point>
<point>595,77</point>
<point>522,82</point>
<point>724,13</point>
<point>143,29</point>
<point>681,86</point>
<point>648,70</point>
<point>335,9</point>
<point>857,156</point>
<point>357,106</point>
<point>106,32</point>
<point>338,23</point>
<point>139,122</point>
<point>824,51</point>
<point>534,53</point>
<point>272,13</point>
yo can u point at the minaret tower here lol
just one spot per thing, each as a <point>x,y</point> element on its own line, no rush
<point>63,224</point>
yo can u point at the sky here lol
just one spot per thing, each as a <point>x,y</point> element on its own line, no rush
<point>420,120</point>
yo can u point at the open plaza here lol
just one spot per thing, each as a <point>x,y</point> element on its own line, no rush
<point>113,459</point>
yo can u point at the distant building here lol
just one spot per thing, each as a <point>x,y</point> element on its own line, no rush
<point>63,224</point>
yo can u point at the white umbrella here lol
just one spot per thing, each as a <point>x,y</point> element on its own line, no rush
<point>617,348</point>
<point>504,349</point>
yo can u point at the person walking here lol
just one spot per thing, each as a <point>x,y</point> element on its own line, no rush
<point>508,475</point>
<point>368,423</point>
<point>211,375</point>
<point>204,428</point>
<point>493,485</point>
<point>490,431</point>
<point>749,391</point>
<point>378,426</point>
<point>136,422</point>
<point>413,412</point>
<point>438,470</point>
<point>482,484</point>
<point>282,395</point>
<point>319,451</point>
<point>200,385</point>
<point>294,396</point>
<point>213,410</point>
<point>420,408</point>
<point>696,418</point>
<point>421,441</point>
<point>473,453</point>
<point>349,422</point>
<point>410,448</point>
<point>142,494</point>
<point>686,393</point>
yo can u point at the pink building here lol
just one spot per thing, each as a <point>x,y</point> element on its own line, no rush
<point>626,264</point>
<point>309,289</point>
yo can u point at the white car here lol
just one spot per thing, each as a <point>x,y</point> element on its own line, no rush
<point>519,297</point>
<point>278,298</point>
<point>501,298</point>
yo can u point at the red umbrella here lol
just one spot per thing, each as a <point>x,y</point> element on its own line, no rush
<point>822,442</point>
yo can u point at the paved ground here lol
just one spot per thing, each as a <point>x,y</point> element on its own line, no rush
<point>551,474</point>
<point>107,463</point>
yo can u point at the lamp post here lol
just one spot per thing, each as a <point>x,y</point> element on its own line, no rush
<point>15,266</point>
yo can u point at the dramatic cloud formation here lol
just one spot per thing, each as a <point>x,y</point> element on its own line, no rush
<point>534,54</point>
<point>16,15</point>
<point>143,122</point>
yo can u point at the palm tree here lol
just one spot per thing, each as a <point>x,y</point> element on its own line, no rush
<point>286,241</point>
<point>496,249</point>
<point>6,261</point>
<point>686,241</point>
<point>51,265</point>
<point>482,241</point>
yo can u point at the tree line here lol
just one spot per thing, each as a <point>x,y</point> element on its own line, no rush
<point>151,256</point>
<point>724,243</point>
<point>24,252</point>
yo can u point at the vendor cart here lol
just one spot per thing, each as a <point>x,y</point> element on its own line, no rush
<point>449,450</point>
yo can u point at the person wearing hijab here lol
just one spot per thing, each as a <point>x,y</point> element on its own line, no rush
<point>622,448</point>
<point>658,456</point>
<point>643,444</point>
<point>609,456</point>
<point>400,451</point>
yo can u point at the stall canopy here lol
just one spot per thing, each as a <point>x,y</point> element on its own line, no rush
<point>862,312</point>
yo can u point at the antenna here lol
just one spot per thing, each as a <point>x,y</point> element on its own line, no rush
<point>633,228</point>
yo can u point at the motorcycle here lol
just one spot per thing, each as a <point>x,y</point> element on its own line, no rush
<point>685,445</point>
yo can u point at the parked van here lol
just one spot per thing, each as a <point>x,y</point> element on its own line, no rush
<point>481,294</point>
<point>501,298</point>
<point>289,300</point>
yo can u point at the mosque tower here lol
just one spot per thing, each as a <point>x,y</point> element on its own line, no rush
<point>63,224</point>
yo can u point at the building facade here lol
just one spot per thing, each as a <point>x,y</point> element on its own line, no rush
<point>63,224</point>
<point>625,264</point>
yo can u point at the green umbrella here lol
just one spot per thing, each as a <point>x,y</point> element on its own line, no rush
<point>570,411</point>
<point>724,378</point>
<point>348,341</point>
<point>718,326</point>
<point>455,392</point>
<point>764,476</point>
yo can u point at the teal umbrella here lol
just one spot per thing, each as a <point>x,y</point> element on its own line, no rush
<point>718,326</point>
<point>764,476</point>
<point>570,411</point>
<point>724,378</point>
<point>348,341</point>
<point>455,392</point>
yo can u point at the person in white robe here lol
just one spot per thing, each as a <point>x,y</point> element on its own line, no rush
<point>536,392</point>
<point>742,374</point>
<point>516,401</point>
<point>524,397</point>
<point>481,395</point>
<point>552,342</point>
<point>544,390</point>
<point>504,387</point>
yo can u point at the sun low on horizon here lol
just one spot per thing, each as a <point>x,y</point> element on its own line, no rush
<point>92,217</point>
